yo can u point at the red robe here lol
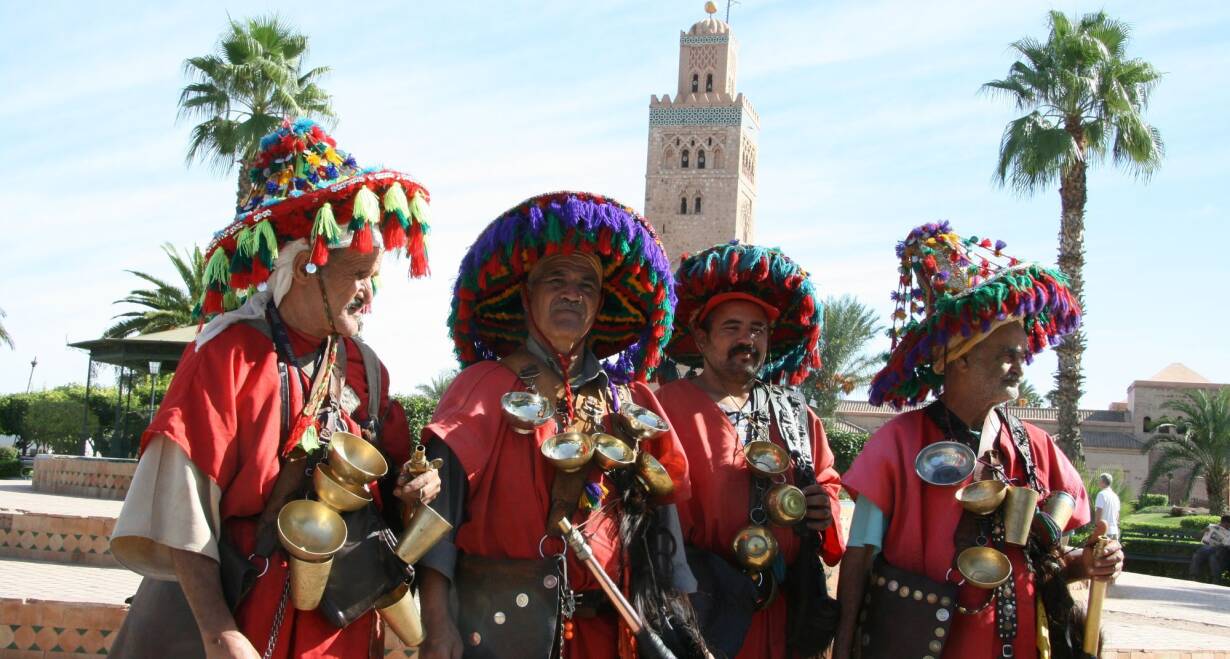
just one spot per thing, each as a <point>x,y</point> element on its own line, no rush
<point>721,484</point>
<point>509,488</point>
<point>922,519</point>
<point>224,409</point>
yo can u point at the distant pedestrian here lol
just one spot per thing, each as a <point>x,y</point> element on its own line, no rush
<point>1106,506</point>
<point>1214,552</point>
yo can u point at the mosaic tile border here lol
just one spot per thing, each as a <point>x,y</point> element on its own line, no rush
<point>57,538</point>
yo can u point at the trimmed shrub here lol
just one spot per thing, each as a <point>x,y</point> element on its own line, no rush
<point>1147,500</point>
<point>10,462</point>
<point>1198,523</point>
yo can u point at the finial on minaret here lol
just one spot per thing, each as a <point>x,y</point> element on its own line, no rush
<point>710,8</point>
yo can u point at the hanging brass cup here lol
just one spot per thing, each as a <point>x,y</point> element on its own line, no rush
<point>340,496</point>
<point>765,458</point>
<point>755,548</point>
<point>354,460</point>
<point>984,567</point>
<point>945,463</point>
<point>568,451</point>
<point>642,423</point>
<point>526,411</point>
<point>982,497</point>
<point>610,452</point>
<point>425,528</point>
<point>652,475</point>
<point>311,533</point>
<point>1060,506</point>
<point>401,614</point>
<point>785,504</point>
<point>1019,507</point>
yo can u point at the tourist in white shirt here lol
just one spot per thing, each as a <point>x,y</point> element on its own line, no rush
<point>1106,506</point>
<point>1214,553</point>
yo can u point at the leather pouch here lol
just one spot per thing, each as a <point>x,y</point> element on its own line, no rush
<point>905,615</point>
<point>509,609</point>
<point>364,570</point>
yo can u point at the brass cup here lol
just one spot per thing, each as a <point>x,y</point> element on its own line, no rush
<point>401,614</point>
<point>984,567</point>
<point>1060,505</point>
<point>307,582</point>
<point>755,548</point>
<point>425,528</point>
<point>342,497</point>
<point>355,460</point>
<point>765,458</point>
<point>1019,507</point>
<point>642,423</point>
<point>310,530</point>
<point>526,411</point>
<point>945,463</point>
<point>569,451</point>
<point>651,474</point>
<point>785,504</point>
<point>610,452</point>
<point>982,497</point>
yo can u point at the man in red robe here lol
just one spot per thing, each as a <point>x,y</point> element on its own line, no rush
<point>730,304</point>
<point>973,357</point>
<point>239,403</point>
<point>536,318</point>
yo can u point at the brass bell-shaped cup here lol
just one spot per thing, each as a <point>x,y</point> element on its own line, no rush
<point>568,451</point>
<point>425,528</point>
<point>1019,507</point>
<point>610,452</point>
<point>652,475</point>
<point>401,614</point>
<point>354,460</point>
<point>785,504</point>
<point>766,459</point>
<point>642,423</point>
<point>1060,506</point>
<point>340,496</point>
<point>526,411</point>
<point>982,497</point>
<point>984,567</point>
<point>311,533</point>
<point>755,548</point>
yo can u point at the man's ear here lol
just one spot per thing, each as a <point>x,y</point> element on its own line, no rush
<point>701,337</point>
<point>299,272</point>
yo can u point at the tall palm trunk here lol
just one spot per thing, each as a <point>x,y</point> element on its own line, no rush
<point>1215,485</point>
<point>1068,377</point>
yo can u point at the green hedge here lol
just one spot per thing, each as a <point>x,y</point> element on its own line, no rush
<point>1147,500</point>
<point>1198,523</point>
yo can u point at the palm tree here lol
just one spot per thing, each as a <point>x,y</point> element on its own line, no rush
<point>1085,100</point>
<point>845,366</point>
<point>5,337</point>
<point>167,306</point>
<point>245,89</point>
<point>1028,395</point>
<point>438,384</point>
<point>1200,442</point>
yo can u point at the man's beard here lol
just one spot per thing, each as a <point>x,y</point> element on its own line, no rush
<point>748,370</point>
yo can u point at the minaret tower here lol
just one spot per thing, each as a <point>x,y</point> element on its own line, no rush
<point>700,176</point>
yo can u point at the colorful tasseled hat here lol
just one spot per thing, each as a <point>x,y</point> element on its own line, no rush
<point>953,293</point>
<point>758,274</point>
<point>488,320</point>
<point>304,187</point>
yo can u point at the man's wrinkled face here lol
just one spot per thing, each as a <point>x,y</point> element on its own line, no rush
<point>734,339</point>
<point>995,366</point>
<point>347,279</point>
<point>563,297</point>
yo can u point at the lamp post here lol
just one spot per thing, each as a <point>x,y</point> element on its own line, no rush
<point>33,363</point>
<point>154,369</point>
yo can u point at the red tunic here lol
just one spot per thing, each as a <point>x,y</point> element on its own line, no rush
<point>224,409</point>
<point>922,519</point>
<point>509,488</point>
<point>721,484</point>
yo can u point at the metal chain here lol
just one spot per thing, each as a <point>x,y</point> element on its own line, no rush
<point>277,618</point>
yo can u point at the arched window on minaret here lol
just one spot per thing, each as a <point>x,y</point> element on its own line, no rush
<point>695,82</point>
<point>683,205</point>
<point>700,159</point>
<point>695,204</point>
<point>717,159</point>
<point>683,159</point>
<point>708,82</point>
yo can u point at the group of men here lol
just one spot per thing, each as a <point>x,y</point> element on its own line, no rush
<point>706,523</point>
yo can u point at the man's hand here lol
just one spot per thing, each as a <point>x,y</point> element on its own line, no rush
<point>443,641</point>
<point>819,507</point>
<point>1084,564</point>
<point>425,487</point>
<point>230,645</point>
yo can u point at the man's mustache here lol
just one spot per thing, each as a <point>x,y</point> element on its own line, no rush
<point>743,350</point>
<point>568,305</point>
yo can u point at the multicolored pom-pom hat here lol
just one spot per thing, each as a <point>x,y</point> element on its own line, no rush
<point>305,188</point>
<point>953,293</point>
<point>763,276</point>
<point>633,324</point>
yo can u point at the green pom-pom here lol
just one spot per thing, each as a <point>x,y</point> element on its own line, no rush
<point>266,241</point>
<point>218,270</point>
<point>395,202</point>
<point>366,206</point>
<point>325,225</point>
<point>421,211</point>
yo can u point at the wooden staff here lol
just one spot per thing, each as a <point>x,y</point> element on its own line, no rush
<point>1097,594</point>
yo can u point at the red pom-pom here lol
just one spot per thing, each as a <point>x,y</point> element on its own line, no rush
<point>417,250</point>
<point>986,242</point>
<point>320,251</point>
<point>362,242</point>
<point>259,272</point>
<point>212,303</point>
<point>393,235</point>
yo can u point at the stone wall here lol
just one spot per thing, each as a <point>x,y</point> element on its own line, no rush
<point>56,538</point>
<point>97,478</point>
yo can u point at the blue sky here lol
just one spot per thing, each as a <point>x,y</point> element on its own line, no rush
<point>871,123</point>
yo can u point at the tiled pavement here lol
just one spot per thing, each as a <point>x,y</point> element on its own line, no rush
<point>1147,613</point>
<point>65,583</point>
<point>20,495</point>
